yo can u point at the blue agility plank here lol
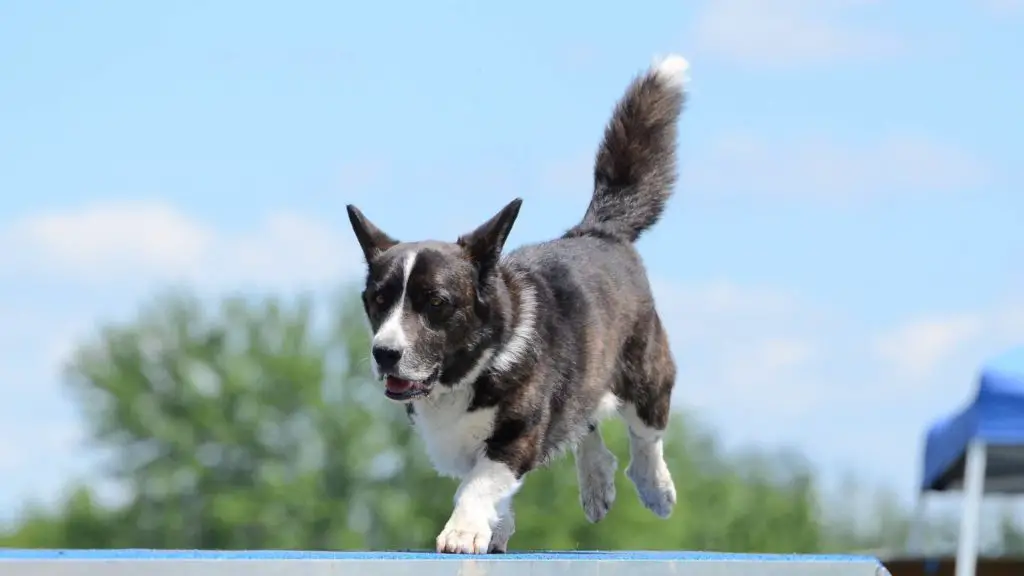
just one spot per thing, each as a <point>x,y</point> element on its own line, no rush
<point>21,562</point>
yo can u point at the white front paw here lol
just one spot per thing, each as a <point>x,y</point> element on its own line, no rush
<point>462,537</point>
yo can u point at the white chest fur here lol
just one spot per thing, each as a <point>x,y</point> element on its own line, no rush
<point>454,438</point>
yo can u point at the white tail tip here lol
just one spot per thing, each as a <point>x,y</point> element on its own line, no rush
<point>673,70</point>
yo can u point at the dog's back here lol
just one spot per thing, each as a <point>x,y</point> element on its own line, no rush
<point>597,319</point>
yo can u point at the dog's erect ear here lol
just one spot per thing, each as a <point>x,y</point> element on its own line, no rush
<point>485,243</point>
<point>371,239</point>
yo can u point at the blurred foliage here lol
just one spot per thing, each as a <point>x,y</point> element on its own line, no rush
<point>253,424</point>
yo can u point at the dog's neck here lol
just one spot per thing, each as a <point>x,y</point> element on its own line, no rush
<point>513,323</point>
<point>518,314</point>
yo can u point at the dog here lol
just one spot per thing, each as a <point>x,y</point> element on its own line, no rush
<point>504,361</point>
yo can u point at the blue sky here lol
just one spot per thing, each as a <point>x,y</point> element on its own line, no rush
<point>843,249</point>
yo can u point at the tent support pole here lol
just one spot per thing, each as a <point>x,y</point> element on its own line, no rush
<point>974,489</point>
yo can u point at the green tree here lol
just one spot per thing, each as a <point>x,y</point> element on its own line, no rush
<point>79,523</point>
<point>254,424</point>
<point>250,427</point>
<point>1011,536</point>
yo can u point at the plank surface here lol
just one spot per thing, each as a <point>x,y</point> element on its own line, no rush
<point>298,563</point>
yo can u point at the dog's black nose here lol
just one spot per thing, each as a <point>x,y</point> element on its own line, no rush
<point>386,358</point>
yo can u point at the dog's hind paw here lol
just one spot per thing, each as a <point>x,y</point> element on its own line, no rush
<point>597,483</point>
<point>597,502</point>
<point>654,485</point>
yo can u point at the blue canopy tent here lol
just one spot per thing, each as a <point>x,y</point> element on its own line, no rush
<point>980,449</point>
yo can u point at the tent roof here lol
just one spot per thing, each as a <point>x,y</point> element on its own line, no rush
<point>995,416</point>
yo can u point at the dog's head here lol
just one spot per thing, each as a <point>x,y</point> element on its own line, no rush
<point>430,304</point>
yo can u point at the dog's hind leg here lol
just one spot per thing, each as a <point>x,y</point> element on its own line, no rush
<point>595,467</point>
<point>646,390</point>
<point>647,468</point>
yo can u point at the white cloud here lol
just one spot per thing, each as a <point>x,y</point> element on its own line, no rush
<point>286,249</point>
<point>820,168</point>
<point>778,354</point>
<point>805,167</point>
<point>139,242</point>
<point>99,260</point>
<point>775,33</point>
<point>769,367</point>
<point>58,440</point>
<point>1003,7</point>
<point>741,349</point>
<point>917,349</point>
<point>1011,323</point>
<point>726,298</point>
<point>128,236</point>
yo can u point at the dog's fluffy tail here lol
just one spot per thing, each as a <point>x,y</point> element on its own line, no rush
<point>635,168</point>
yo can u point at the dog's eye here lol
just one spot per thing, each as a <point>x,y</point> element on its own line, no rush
<point>436,301</point>
<point>379,299</point>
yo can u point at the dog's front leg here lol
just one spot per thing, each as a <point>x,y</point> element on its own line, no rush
<point>503,531</point>
<point>482,500</point>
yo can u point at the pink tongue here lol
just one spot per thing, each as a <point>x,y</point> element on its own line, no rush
<point>397,385</point>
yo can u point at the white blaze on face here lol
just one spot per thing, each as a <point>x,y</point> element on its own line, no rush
<point>391,334</point>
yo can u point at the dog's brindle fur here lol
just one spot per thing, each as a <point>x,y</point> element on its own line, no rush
<point>505,361</point>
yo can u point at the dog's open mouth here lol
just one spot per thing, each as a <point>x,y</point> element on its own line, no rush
<point>399,389</point>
